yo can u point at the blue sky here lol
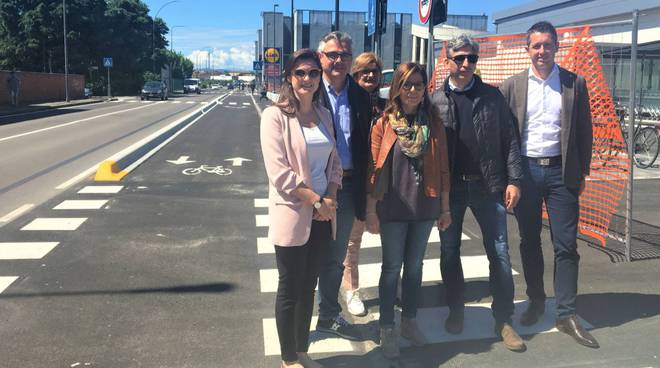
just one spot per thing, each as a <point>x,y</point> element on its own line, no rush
<point>229,27</point>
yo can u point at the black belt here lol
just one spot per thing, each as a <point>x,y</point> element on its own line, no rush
<point>347,173</point>
<point>546,161</point>
<point>470,177</point>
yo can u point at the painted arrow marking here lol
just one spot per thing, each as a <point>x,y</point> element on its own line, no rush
<point>181,160</point>
<point>237,161</point>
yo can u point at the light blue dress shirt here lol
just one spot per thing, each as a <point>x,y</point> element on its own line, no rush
<point>341,118</point>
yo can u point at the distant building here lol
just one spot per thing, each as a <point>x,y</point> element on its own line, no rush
<point>611,33</point>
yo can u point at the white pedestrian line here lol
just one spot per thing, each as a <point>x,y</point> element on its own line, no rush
<point>26,250</point>
<point>233,103</point>
<point>368,241</point>
<point>101,189</point>
<point>204,103</point>
<point>176,102</point>
<point>54,224</point>
<point>246,104</point>
<point>5,281</point>
<point>478,325</point>
<point>474,267</point>
<point>262,220</point>
<point>319,343</point>
<point>146,102</point>
<point>220,103</point>
<point>190,102</point>
<point>129,101</point>
<point>17,212</point>
<point>261,202</point>
<point>81,204</point>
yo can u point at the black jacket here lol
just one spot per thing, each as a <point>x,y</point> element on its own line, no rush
<point>497,138</point>
<point>360,103</point>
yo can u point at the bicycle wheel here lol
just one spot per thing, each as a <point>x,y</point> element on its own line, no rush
<point>191,171</point>
<point>646,147</point>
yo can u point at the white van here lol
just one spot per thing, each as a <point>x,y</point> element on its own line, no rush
<point>191,85</point>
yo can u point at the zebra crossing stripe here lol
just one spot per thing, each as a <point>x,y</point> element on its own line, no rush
<point>101,189</point>
<point>474,267</point>
<point>5,281</point>
<point>26,250</point>
<point>260,202</point>
<point>81,204</point>
<point>54,224</point>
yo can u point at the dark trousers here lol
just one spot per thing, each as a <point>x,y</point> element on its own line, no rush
<point>298,273</point>
<point>546,184</point>
<point>489,210</point>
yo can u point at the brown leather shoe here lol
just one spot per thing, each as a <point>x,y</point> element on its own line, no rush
<point>573,328</point>
<point>535,310</point>
<point>509,336</point>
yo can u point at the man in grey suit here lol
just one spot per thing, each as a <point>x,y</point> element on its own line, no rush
<point>551,107</point>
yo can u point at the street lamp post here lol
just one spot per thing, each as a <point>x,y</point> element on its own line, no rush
<point>172,35</point>
<point>274,6</point>
<point>153,31</point>
<point>66,55</point>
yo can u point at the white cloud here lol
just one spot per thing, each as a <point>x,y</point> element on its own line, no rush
<point>239,58</point>
<point>228,48</point>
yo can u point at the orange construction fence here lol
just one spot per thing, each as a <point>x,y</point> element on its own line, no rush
<point>500,57</point>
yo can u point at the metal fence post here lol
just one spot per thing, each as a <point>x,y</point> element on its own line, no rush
<point>631,131</point>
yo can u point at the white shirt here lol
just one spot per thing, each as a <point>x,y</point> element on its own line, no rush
<point>541,136</point>
<point>319,148</point>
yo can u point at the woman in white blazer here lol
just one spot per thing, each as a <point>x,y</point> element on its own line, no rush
<point>304,172</point>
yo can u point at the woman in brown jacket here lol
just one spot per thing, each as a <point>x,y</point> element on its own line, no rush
<point>408,192</point>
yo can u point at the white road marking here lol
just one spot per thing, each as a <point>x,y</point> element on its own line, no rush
<point>256,106</point>
<point>262,220</point>
<point>101,189</point>
<point>474,267</point>
<point>190,102</point>
<point>318,342</point>
<point>81,204</point>
<point>264,246</point>
<point>176,102</point>
<point>17,212</point>
<point>5,281</point>
<point>246,104</point>
<point>54,224</point>
<point>26,250</point>
<point>261,202</point>
<point>69,123</point>
<point>233,103</point>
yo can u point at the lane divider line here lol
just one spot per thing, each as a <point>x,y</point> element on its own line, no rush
<point>256,106</point>
<point>17,212</point>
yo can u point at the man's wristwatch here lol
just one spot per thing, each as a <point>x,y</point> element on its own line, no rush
<point>317,205</point>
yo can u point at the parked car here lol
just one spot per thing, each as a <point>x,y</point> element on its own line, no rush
<point>87,93</point>
<point>154,89</point>
<point>191,85</point>
<point>385,83</point>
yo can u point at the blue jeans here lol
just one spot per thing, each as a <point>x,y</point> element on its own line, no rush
<point>489,211</point>
<point>403,243</point>
<point>546,183</point>
<point>332,263</point>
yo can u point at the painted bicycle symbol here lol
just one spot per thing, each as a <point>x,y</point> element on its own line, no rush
<point>218,170</point>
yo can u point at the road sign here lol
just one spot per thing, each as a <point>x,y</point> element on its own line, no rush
<point>257,65</point>
<point>424,10</point>
<point>371,25</point>
<point>107,62</point>
<point>272,55</point>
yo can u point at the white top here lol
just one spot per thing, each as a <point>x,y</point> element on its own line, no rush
<point>542,134</point>
<point>319,147</point>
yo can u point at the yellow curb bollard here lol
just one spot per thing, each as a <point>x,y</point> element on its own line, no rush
<point>109,171</point>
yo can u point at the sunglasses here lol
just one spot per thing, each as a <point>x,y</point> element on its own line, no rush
<point>370,71</point>
<point>418,86</point>
<point>459,59</point>
<point>301,73</point>
<point>333,55</point>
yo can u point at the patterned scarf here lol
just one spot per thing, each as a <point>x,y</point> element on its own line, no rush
<point>412,137</point>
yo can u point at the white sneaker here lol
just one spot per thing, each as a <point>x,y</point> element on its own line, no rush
<point>354,304</point>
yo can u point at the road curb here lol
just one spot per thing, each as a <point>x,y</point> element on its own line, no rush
<point>119,165</point>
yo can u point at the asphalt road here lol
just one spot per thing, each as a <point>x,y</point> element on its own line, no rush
<point>170,271</point>
<point>41,151</point>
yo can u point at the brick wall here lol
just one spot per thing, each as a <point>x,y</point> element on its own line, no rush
<point>41,87</point>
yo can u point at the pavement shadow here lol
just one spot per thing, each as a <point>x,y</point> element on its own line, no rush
<point>9,117</point>
<point>211,288</point>
<point>616,309</point>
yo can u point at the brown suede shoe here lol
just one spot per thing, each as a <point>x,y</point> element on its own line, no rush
<point>509,336</point>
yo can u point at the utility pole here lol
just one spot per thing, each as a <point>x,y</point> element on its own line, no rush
<point>293,31</point>
<point>66,55</point>
<point>336,15</point>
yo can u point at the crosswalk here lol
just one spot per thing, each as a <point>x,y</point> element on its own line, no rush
<point>479,323</point>
<point>90,198</point>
